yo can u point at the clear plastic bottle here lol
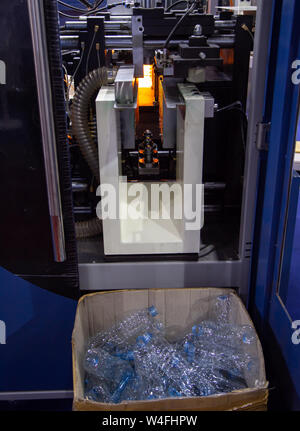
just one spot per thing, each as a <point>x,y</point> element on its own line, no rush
<point>222,309</point>
<point>145,388</point>
<point>156,357</point>
<point>125,381</point>
<point>118,339</point>
<point>228,335</point>
<point>220,369</point>
<point>96,390</point>
<point>99,363</point>
<point>221,354</point>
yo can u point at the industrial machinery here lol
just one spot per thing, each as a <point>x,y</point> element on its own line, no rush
<point>180,114</point>
<point>145,139</point>
<point>156,96</point>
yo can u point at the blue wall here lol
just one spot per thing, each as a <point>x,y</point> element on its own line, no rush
<point>37,355</point>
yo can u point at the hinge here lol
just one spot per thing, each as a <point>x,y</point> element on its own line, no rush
<point>261,136</point>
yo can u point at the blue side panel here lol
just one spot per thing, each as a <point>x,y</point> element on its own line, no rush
<point>293,294</point>
<point>281,150</point>
<point>37,354</point>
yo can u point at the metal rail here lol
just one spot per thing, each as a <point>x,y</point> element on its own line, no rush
<point>38,32</point>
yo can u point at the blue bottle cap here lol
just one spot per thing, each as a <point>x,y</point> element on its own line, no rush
<point>152,311</point>
<point>144,339</point>
<point>197,330</point>
<point>186,347</point>
<point>130,356</point>
<point>152,397</point>
<point>223,297</point>
<point>173,392</point>
<point>175,362</point>
<point>246,339</point>
<point>147,337</point>
<point>189,349</point>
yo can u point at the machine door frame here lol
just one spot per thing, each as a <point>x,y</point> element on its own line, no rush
<point>271,315</point>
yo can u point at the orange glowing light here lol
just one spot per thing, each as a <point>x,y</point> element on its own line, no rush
<point>147,81</point>
<point>146,90</point>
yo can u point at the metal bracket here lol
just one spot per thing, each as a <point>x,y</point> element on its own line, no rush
<point>137,45</point>
<point>261,136</point>
<point>2,73</point>
<point>38,32</point>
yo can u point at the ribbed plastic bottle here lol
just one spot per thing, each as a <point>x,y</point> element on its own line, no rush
<point>216,368</point>
<point>118,339</point>
<point>99,363</point>
<point>145,388</point>
<point>156,357</point>
<point>96,390</point>
<point>235,337</point>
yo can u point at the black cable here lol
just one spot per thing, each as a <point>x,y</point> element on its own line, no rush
<point>110,6</point>
<point>243,135</point>
<point>71,7</point>
<point>85,3</point>
<point>90,50</point>
<point>67,16</point>
<point>200,256</point>
<point>98,3</point>
<point>176,26</point>
<point>95,10</point>
<point>71,51</point>
<point>175,4</point>
<point>98,55</point>
<point>74,75</point>
<point>237,106</point>
<point>83,12</point>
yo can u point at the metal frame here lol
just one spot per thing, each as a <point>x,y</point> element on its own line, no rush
<point>35,395</point>
<point>209,271</point>
<point>37,24</point>
<point>273,318</point>
<point>256,116</point>
<point>290,235</point>
<point>279,165</point>
<point>161,274</point>
<point>212,7</point>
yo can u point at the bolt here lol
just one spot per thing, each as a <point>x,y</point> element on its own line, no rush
<point>198,30</point>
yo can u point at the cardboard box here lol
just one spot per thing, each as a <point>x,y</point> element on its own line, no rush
<point>178,309</point>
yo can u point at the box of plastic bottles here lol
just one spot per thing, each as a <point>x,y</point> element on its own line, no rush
<point>167,350</point>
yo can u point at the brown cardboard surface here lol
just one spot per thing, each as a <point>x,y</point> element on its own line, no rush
<point>178,309</point>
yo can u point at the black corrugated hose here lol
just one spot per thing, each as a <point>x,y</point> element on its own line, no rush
<point>80,126</point>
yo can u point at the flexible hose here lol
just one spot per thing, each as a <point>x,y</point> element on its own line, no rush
<point>80,126</point>
<point>80,116</point>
